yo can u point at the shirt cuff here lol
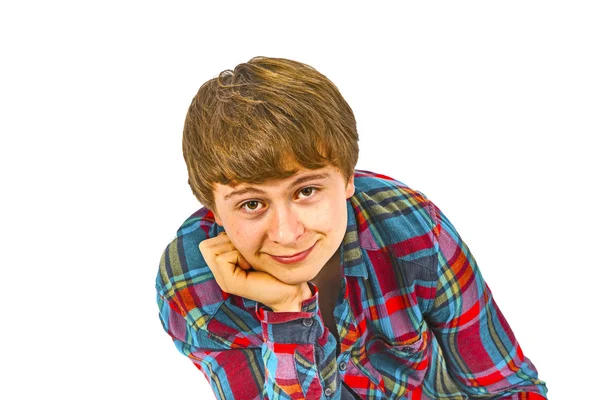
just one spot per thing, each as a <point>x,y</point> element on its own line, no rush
<point>298,327</point>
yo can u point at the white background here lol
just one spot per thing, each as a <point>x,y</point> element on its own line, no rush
<point>488,109</point>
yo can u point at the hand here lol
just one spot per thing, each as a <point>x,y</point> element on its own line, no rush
<point>236,276</point>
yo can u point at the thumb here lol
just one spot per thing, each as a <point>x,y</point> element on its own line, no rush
<point>243,264</point>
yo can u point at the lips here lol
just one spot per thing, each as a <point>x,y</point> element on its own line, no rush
<point>293,258</point>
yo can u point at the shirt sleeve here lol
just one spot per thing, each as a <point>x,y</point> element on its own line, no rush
<point>480,350</point>
<point>299,353</point>
<point>233,373</point>
<point>296,361</point>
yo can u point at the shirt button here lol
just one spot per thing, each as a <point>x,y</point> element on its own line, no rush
<point>328,392</point>
<point>343,366</point>
<point>307,321</point>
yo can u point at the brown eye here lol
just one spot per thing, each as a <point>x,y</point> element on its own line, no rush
<point>308,191</point>
<point>252,205</point>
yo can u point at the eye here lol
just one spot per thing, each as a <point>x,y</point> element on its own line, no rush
<point>308,191</point>
<point>251,206</point>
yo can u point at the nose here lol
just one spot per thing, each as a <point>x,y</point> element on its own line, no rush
<point>284,227</point>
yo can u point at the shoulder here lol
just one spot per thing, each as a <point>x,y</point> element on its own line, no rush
<point>394,217</point>
<point>379,187</point>
<point>182,257</point>
<point>184,279</point>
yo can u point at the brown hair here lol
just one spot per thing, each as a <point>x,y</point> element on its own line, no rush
<point>251,124</point>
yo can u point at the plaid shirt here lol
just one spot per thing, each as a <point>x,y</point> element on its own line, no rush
<point>416,319</point>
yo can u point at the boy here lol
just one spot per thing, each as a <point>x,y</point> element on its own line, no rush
<point>303,278</point>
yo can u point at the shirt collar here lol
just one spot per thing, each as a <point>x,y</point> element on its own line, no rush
<point>351,254</point>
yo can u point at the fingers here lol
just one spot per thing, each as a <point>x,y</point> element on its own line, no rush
<point>245,265</point>
<point>226,263</point>
<point>218,244</point>
<point>232,272</point>
<point>226,246</point>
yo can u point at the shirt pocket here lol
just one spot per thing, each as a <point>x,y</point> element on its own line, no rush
<point>401,363</point>
<point>409,348</point>
<point>404,351</point>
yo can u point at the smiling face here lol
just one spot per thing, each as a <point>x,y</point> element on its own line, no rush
<point>305,213</point>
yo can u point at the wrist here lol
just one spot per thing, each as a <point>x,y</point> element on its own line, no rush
<point>295,305</point>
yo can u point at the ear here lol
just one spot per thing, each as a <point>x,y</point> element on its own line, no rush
<point>350,187</point>
<point>217,219</point>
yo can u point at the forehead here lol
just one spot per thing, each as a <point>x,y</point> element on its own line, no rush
<point>303,175</point>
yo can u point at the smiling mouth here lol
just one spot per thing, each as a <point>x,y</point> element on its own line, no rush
<point>295,257</point>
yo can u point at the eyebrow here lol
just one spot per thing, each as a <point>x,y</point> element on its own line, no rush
<point>251,189</point>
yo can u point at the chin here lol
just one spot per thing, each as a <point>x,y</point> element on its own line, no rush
<point>296,278</point>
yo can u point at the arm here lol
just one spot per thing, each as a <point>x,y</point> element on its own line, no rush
<point>479,347</point>
<point>233,373</point>
<point>280,356</point>
<point>298,355</point>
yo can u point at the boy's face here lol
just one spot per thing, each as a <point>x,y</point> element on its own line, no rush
<point>306,211</point>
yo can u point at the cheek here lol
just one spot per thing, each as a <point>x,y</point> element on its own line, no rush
<point>318,218</point>
<point>245,238</point>
<point>326,217</point>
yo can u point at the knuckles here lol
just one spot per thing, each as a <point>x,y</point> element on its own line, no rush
<point>217,263</point>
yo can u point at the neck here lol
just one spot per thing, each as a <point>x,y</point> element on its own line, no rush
<point>330,273</point>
